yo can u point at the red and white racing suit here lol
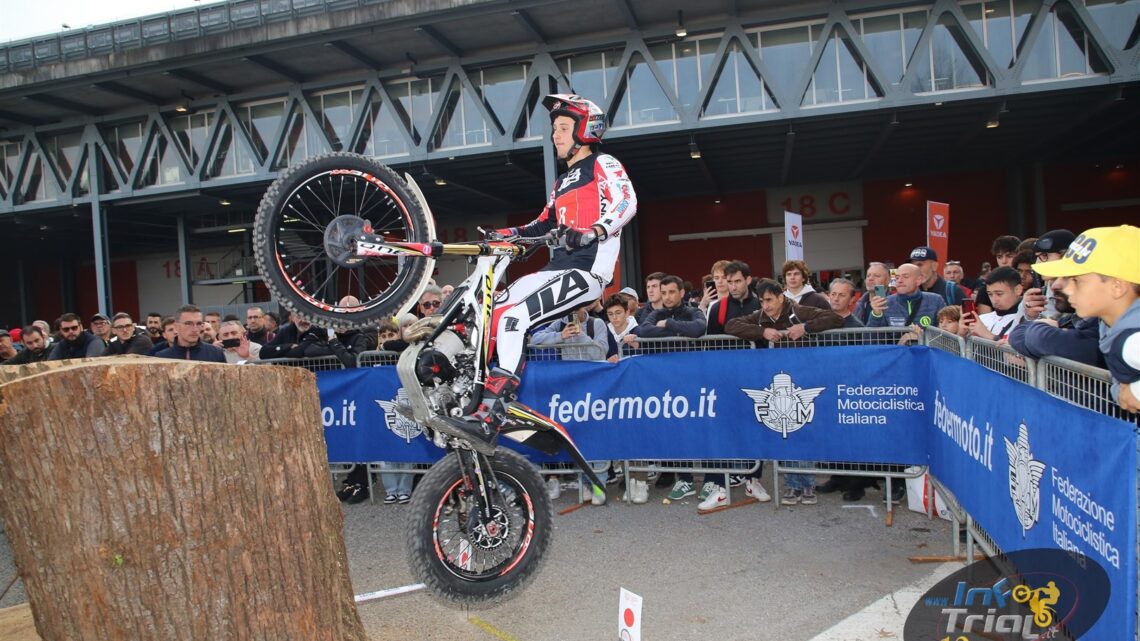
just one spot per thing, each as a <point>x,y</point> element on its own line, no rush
<point>594,191</point>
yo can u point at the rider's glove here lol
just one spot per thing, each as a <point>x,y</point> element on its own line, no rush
<point>500,234</point>
<point>576,239</point>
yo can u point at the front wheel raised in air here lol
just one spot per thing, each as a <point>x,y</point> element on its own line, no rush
<point>303,241</point>
<point>461,556</point>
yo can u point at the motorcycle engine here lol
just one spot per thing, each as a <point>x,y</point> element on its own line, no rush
<point>446,371</point>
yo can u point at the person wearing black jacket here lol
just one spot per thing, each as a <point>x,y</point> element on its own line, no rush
<point>188,343</point>
<point>35,347</point>
<point>76,342</point>
<point>674,318</point>
<point>739,302</point>
<point>128,339</point>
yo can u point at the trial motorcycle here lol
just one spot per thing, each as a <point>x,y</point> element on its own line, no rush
<point>342,225</point>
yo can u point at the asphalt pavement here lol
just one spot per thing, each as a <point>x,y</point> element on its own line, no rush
<point>829,571</point>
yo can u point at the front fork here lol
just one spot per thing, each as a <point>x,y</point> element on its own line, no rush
<point>479,479</point>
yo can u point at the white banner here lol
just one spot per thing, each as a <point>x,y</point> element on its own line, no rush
<point>793,236</point>
<point>629,616</point>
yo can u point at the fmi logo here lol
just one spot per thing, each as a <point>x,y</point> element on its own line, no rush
<point>400,425</point>
<point>783,407</point>
<point>1024,479</point>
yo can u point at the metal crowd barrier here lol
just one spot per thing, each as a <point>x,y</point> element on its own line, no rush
<point>945,341</point>
<point>1003,359</point>
<point>314,364</point>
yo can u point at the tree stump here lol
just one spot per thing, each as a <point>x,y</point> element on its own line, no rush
<point>164,500</point>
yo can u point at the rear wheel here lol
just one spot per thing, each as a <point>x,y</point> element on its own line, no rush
<point>461,557</point>
<point>303,239</point>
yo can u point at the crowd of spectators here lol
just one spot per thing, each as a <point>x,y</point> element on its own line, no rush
<point>1076,297</point>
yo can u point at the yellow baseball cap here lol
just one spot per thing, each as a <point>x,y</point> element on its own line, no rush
<point>1110,251</point>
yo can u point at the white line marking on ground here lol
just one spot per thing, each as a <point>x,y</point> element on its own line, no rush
<point>382,594</point>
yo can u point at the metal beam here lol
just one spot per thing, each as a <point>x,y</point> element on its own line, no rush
<point>356,54</point>
<point>199,79</point>
<point>528,25</point>
<point>129,92</point>
<point>789,144</point>
<point>63,103</point>
<point>20,118</point>
<point>438,40</point>
<point>276,67</point>
<point>627,13</point>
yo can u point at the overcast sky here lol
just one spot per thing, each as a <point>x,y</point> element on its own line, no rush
<point>21,19</point>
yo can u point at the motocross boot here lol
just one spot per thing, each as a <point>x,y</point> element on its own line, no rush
<point>482,426</point>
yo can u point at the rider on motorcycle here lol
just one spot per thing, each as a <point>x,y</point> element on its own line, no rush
<point>591,201</point>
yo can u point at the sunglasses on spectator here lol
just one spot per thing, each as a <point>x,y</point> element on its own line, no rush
<point>73,328</point>
<point>430,304</point>
<point>122,326</point>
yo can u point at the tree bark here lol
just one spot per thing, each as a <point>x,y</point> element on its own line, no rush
<point>168,500</point>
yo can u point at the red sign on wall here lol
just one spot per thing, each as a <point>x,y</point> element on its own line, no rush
<point>938,230</point>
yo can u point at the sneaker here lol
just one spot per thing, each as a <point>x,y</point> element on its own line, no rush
<point>736,480</point>
<point>359,495</point>
<point>680,490</point>
<point>598,497</point>
<point>390,499</point>
<point>345,491</point>
<point>715,498</point>
<point>553,488</point>
<point>791,496</point>
<point>753,489</point>
<point>708,488</point>
<point>403,498</point>
<point>808,496</point>
<point>615,477</point>
<point>638,492</point>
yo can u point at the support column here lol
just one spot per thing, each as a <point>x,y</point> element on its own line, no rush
<point>184,261</point>
<point>102,258</point>
<point>24,317</point>
<point>1015,202</point>
<point>1040,224</point>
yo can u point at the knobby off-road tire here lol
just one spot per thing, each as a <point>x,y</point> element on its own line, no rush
<point>289,241</point>
<point>437,540</point>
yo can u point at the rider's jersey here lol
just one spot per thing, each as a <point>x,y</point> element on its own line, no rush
<point>595,191</point>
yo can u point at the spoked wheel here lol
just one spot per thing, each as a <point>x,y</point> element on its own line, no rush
<point>303,241</point>
<point>464,558</point>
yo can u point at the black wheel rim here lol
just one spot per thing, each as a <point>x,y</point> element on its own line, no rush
<point>298,240</point>
<point>475,551</point>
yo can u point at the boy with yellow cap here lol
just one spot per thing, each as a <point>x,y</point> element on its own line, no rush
<point>1101,275</point>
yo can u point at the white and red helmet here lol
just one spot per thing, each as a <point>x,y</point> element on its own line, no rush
<point>589,119</point>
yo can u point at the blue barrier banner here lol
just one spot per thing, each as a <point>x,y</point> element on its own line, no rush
<point>866,404</point>
<point>1037,472</point>
<point>863,404</point>
<point>1034,471</point>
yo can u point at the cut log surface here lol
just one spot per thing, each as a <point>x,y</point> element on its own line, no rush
<point>168,500</point>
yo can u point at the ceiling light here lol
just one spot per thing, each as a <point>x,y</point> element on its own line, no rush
<point>993,123</point>
<point>681,30</point>
<point>694,150</point>
<point>183,104</point>
<point>441,182</point>
<point>908,185</point>
<point>224,202</point>
<point>716,202</point>
<point>236,230</point>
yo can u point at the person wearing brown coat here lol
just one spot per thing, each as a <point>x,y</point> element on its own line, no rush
<point>780,319</point>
